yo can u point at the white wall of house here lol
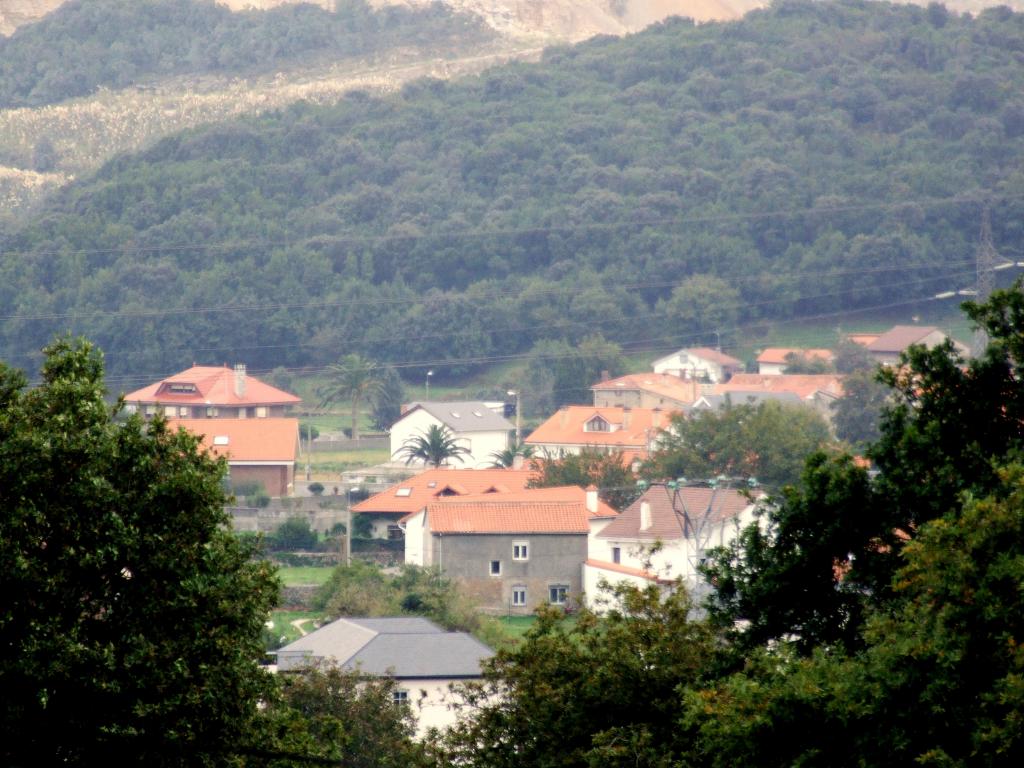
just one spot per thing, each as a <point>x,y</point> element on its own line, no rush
<point>771,369</point>
<point>479,444</point>
<point>417,546</point>
<point>431,702</point>
<point>594,577</point>
<point>687,365</point>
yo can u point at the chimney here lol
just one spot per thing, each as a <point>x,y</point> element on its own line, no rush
<point>564,410</point>
<point>645,515</point>
<point>627,416</point>
<point>592,499</point>
<point>606,376</point>
<point>517,461</point>
<point>240,380</point>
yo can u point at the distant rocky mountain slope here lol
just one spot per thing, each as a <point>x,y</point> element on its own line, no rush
<point>561,19</point>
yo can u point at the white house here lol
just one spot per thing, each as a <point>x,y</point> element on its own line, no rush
<point>474,425</point>
<point>684,523</point>
<point>700,363</point>
<point>424,660</point>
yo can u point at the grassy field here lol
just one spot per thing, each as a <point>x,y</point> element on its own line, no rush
<point>516,626</point>
<point>284,629</point>
<point>304,575</point>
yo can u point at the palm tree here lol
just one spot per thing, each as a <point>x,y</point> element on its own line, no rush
<point>352,378</point>
<point>434,447</point>
<point>507,458</point>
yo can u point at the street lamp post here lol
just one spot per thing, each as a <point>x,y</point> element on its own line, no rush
<point>348,526</point>
<point>426,385</point>
<point>519,407</point>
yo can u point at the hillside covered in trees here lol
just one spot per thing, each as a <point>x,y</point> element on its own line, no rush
<point>655,189</point>
<point>85,44</point>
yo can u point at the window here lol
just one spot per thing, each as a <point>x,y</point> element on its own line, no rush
<point>211,411</point>
<point>519,596</point>
<point>399,696</point>
<point>616,554</point>
<point>131,408</point>
<point>395,532</point>
<point>184,411</point>
<point>151,410</point>
<point>495,567</point>
<point>170,411</point>
<point>520,550</point>
<point>401,492</point>
<point>596,424</point>
<point>261,411</point>
<point>556,594</point>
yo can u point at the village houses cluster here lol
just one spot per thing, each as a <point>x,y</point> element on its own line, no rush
<point>510,546</point>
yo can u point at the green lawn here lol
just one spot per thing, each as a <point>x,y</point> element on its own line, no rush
<point>303,575</point>
<point>283,628</point>
<point>516,626</point>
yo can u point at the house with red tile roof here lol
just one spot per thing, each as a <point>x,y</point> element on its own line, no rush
<point>699,363</point>
<point>646,390</point>
<point>887,347</point>
<point>386,509</point>
<point>210,392</point>
<point>575,428</point>
<point>817,391</point>
<point>510,551</point>
<point>260,451</point>
<point>773,360</point>
<point>684,522</point>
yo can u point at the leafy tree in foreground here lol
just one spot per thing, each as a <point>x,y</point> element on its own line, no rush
<point>858,413</point>
<point>435,447</point>
<point>938,682</point>
<point>131,616</point>
<point>831,547</point>
<point>590,692</point>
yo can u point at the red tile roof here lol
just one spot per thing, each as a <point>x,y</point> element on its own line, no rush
<point>263,440</point>
<point>210,385</point>
<point>777,355</point>
<point>661,384</point>
<point>802,385</point>
<point>668,512</point>
<point>627,570</point>
<point>630,427</point>
<point>414,494</point>
<point>508,517</point>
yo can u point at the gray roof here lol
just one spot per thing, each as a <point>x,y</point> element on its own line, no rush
<point>465,416</point>
<point>400,647</point>
<point>432,654</point>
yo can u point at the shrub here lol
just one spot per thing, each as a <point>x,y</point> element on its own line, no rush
<point>316,489</point>
<point>259,498</point>
<point>293,533</point>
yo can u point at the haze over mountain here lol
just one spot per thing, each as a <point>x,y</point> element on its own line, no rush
<point>659,189</point>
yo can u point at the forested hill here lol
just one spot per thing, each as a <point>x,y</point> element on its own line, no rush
<point>116,43</point>
<point>655,189</point>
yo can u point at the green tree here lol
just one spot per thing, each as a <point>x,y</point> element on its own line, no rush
<point>507,458</point>
<point>330,716</point>
<point>857,414</point>
<point>949,427</point>
<point>769,441</point>
<point>353,378</point>
<point>559,373</point>
<point>700,306</point>
<point>387,401</point>
<point>606,471</point>
<point>131,618</point>
<point>594,691</point>
<point>937,681</point>
<point>435,447</point>
<point>797,363</point>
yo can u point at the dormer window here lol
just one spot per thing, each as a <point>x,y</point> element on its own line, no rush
<point>597,424</point>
